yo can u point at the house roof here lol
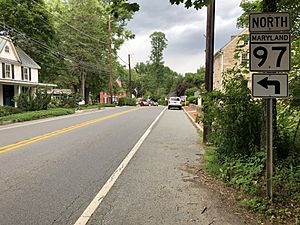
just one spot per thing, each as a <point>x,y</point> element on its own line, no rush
<point>234,37</point>
<point>2,43</point>
<point>24,58</point>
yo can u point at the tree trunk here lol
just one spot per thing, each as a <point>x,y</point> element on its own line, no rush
<point>86,95</point>
<point>82,85</point>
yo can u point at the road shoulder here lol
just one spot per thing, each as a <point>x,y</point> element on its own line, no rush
<point>158,186</point>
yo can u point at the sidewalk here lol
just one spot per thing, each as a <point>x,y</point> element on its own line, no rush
<point>158,186</point>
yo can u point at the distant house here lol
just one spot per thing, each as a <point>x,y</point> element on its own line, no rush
<point>106,98</point>
<point>224,59</point>
<point>18,72</point>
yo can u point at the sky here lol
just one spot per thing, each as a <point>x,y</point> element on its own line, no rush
<point>184,29</point>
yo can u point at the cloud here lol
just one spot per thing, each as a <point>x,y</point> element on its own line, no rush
<point>184,29</point>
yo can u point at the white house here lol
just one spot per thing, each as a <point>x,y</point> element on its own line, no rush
<point>18,72</point>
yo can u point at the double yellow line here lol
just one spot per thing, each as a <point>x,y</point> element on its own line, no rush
<point>22,143</point>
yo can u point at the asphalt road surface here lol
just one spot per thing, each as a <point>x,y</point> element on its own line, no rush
<point>51,170</point>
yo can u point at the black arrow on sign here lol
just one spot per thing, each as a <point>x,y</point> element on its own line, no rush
<point>266,83</point>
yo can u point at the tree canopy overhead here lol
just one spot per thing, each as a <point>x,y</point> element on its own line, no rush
<point>197,4</point>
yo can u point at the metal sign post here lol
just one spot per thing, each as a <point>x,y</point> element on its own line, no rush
<point>269,136</point>
<point>269,53</point>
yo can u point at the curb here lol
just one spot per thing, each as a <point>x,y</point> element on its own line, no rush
<point>6,122</point>
<point>191,118</point>
<point>86,110</point>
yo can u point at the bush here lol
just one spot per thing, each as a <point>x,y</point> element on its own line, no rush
<point>127,101</point>
<point>26,116</point>
<point>9,110</point>
<point>192,99</point>
<point>162,102</point>
<point>106,105</point>
<point>65,101</point>
<point>28,101</point>
<point>190,91</point>
<point>234,118</point>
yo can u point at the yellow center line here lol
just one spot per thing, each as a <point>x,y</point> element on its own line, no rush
<point>22,143</point>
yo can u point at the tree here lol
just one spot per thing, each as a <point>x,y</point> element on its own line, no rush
<point>82,28</point>
<point>196,78</point>
<point>31,27</point>
<point>159,43</point>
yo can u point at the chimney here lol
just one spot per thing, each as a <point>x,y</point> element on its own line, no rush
<point>232,37</point>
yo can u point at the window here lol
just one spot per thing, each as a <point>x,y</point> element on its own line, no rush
<point>25,72</point>
<point>7,71</point>
<point>7,49</point>
<point>244,59</point>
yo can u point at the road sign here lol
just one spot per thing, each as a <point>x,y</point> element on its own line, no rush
<point>270,85</point>
<point>269,22</point>
<point>270,52</point>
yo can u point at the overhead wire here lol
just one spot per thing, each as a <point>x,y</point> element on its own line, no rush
<point>55,53</point>
<point>81,32</point>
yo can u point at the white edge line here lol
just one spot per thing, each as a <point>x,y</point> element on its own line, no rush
<point>191,118</point>
<point>88,212</point>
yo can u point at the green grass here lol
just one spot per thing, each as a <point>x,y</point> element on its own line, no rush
<point>106,105</point>
<point>34,115</point>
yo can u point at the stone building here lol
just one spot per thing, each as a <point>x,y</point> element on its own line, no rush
<point>227,58</point>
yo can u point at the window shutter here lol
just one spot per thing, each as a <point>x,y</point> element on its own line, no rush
<point>12,71</point>
<point>22,73</point>
<point>30,74</point>
<point>3,70</point>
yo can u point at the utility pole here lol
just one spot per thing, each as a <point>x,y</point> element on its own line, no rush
<point>130,83</point>
<point>209,60</point>
<point>110,62</point>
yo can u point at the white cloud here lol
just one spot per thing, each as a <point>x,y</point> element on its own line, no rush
<point>184,29</point>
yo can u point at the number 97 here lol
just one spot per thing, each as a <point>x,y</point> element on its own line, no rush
<point>262,54</point>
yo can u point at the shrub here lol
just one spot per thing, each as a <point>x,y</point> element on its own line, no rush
<point>190,91</point>
<point>234,118</point>
<point>162,102</point>
<point>127,101</point>
<point>33,115</point>
<point>65,101</point>
<point>28,101</point>
<point>192,99</point>
<point>9,110</point>
<point>106,105</point>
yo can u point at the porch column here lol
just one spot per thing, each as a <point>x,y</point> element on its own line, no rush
<point>18,92</point>
<point>1,94</point>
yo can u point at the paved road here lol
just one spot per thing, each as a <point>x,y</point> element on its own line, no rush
<point>51,170</point>
<point>158,186</point>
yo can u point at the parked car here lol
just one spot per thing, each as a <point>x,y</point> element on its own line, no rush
<point>174,102</point>
<point>153,103</point>
<point>80,102</point>
<point>143,102</point>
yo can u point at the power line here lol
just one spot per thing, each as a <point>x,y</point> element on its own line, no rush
<point>93,38</point>
<point>55,53</point>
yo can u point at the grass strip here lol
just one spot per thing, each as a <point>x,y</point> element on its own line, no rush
<point>34,115</point>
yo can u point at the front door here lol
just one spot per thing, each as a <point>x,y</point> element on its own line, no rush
<point>8,95</point>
